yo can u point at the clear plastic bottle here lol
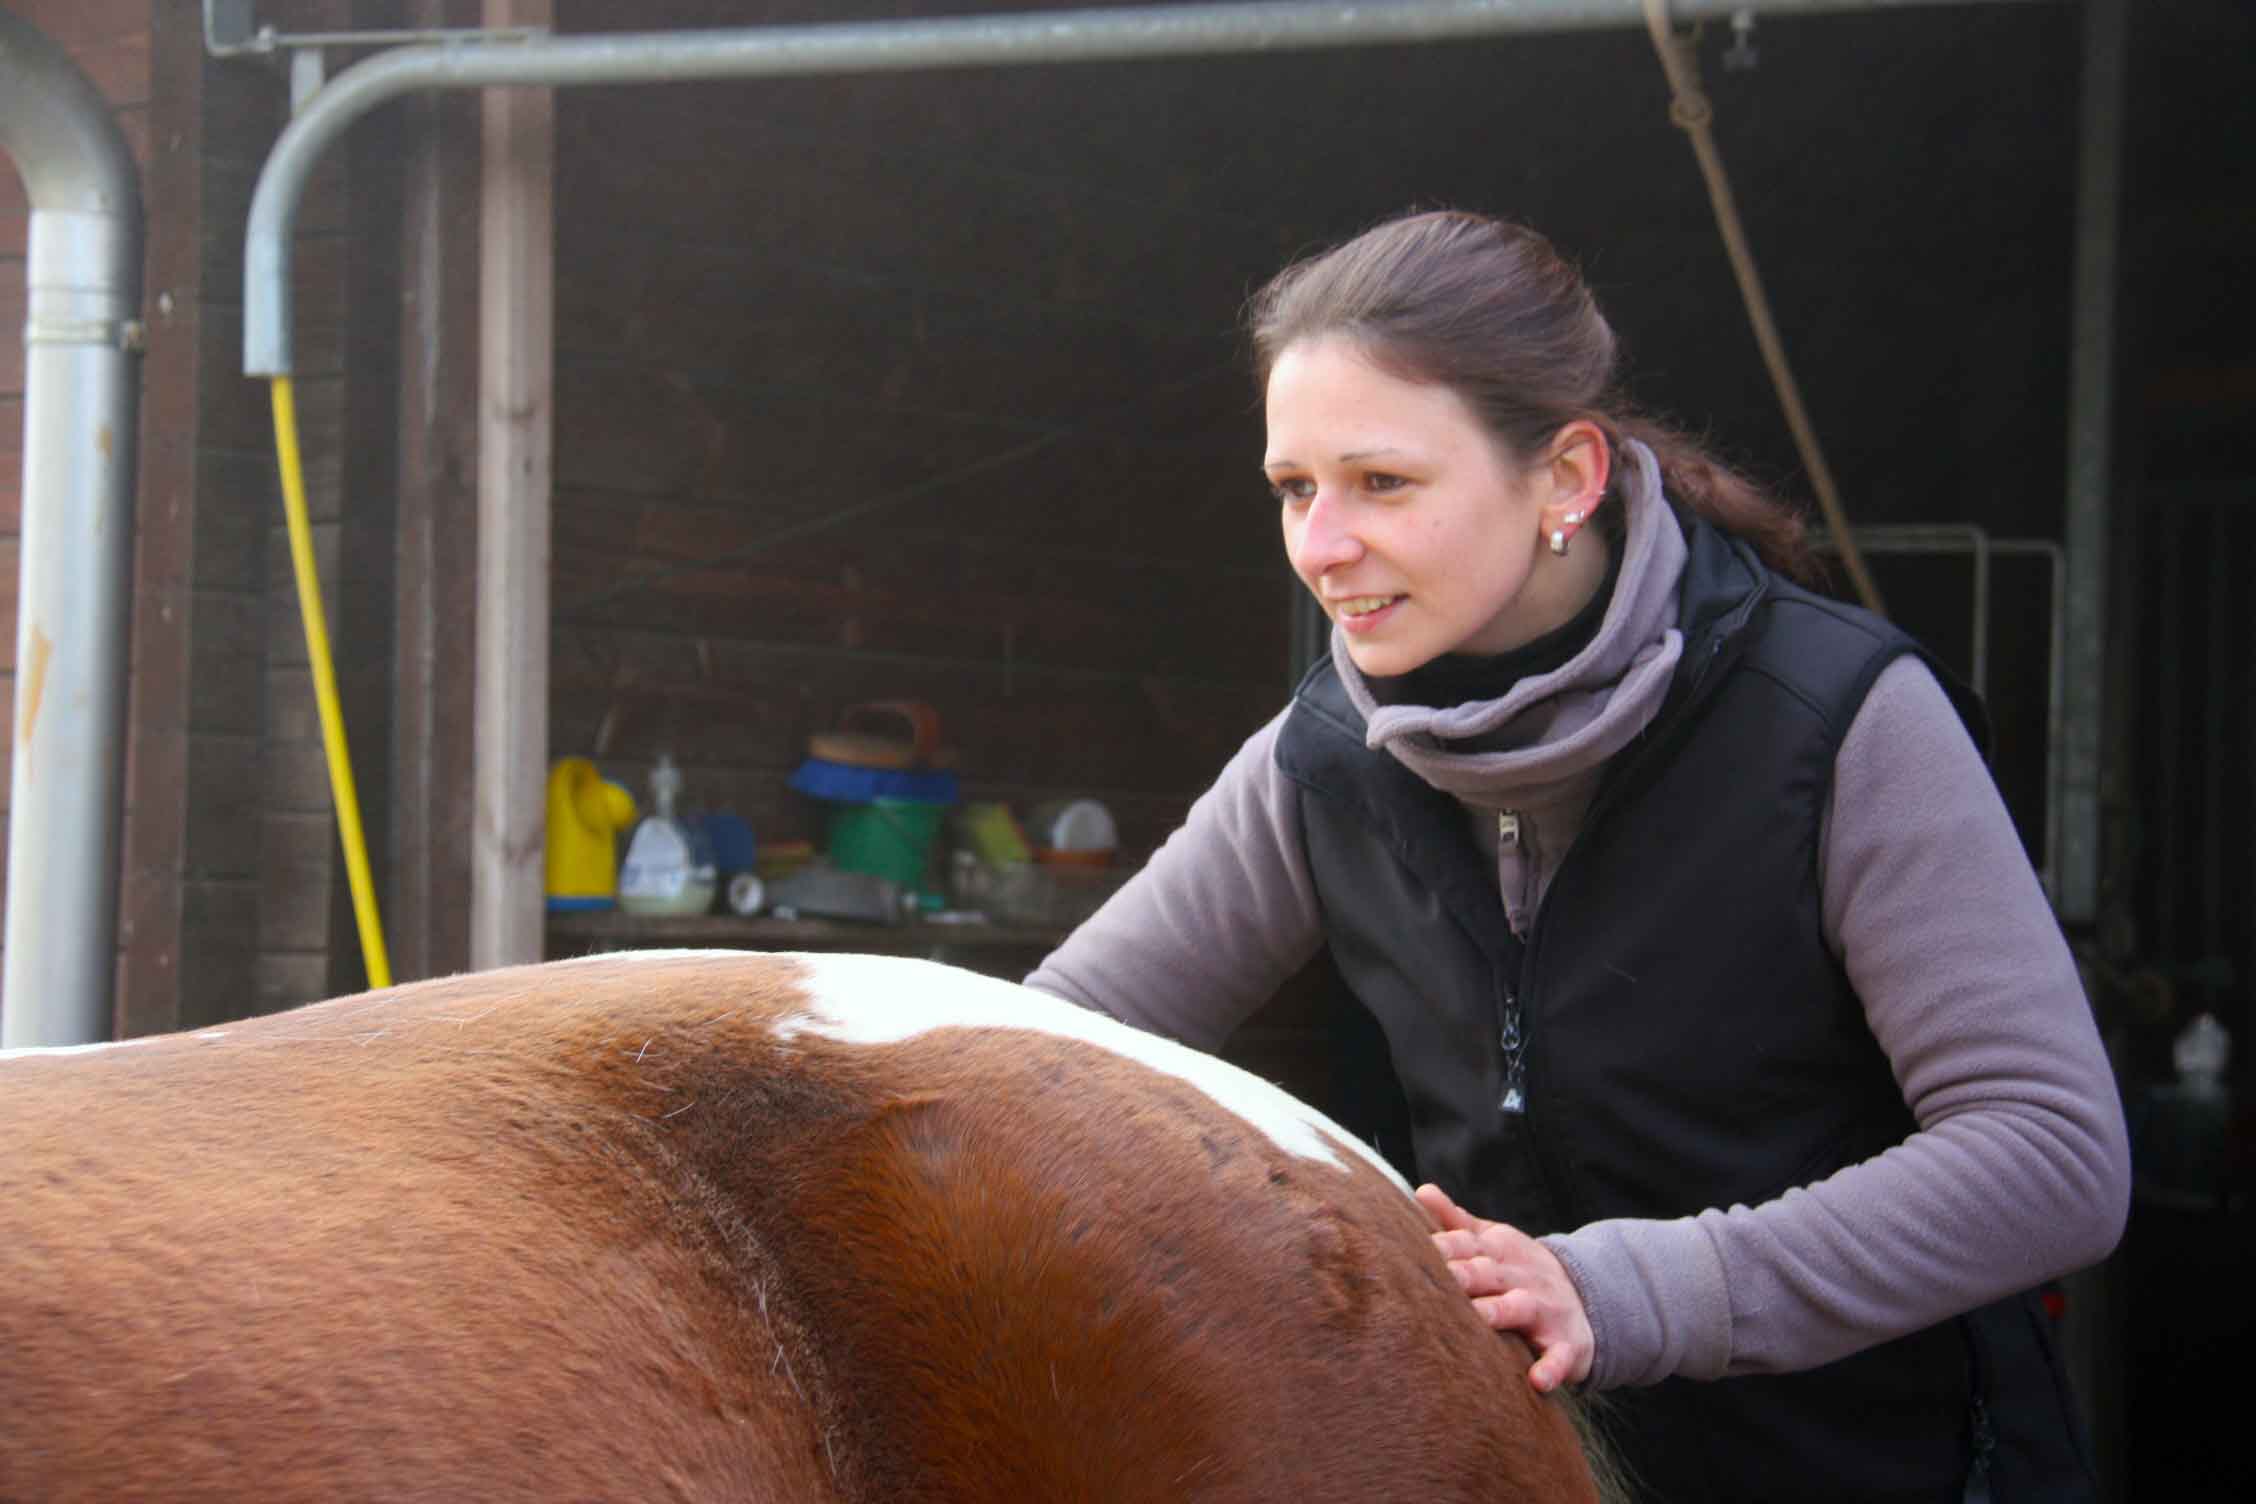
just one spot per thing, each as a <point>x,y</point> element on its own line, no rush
<point>2183,1156</point>
<point>665,871</point>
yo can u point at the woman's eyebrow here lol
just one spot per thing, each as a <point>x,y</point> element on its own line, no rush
<point>1351,457</point>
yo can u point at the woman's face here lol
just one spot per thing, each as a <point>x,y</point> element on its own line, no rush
<point>1413,527</point>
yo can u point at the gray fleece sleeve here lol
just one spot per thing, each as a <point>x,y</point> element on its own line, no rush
<point>1223,913</point>
<point>2020,1168</point>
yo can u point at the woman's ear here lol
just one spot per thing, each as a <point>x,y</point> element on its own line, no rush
<point>1578,463</point>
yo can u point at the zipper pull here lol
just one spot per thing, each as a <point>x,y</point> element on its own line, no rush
<point>1514,1045</point>
<point>1507,828</point>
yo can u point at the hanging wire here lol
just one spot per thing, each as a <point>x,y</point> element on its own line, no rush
<point>1691,112</point>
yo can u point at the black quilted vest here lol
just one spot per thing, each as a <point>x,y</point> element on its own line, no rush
<point>1685,1037</point>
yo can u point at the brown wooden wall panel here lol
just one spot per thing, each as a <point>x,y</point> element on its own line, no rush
<point>284,979</point>
<point>220,919</point>
<point>432,807</point>
<point>226,793</point>
<point>13,301</point>
<point>887,597</point>
<point>224,660</point>
<point>11,465</point>
<point>156,946</point>
<point>238,496</point>
<point>866,194</point>
<point>768,316</point>
<point>232,409</point>
<point>768,430</point>
<point>594,655</point>
<point>293,721</point>
<point>118,65</point>
<point>10,569</point>
<point>74,25</point>
<point>297,776</point>
<point>296,854</point>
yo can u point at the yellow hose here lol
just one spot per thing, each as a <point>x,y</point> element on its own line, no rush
<point>325,688</point>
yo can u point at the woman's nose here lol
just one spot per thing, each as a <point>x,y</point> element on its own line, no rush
<point>1327,538</point>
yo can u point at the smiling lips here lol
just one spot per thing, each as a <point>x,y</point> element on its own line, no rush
<point>1364,611</point>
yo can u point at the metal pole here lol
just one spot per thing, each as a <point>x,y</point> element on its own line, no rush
<point>2091,416</point>
<point>83,277</point>
<point>953,42</point>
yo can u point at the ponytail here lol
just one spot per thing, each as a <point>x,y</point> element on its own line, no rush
<point>1697,480</point>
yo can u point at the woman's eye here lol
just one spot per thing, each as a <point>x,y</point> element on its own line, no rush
<point>1380,481</point>
<point>1293,488</point>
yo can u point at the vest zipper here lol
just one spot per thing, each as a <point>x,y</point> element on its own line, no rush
<point>1511,1033</point>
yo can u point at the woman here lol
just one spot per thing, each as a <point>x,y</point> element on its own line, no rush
<point>1731,1028</point>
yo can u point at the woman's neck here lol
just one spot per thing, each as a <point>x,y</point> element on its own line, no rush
<point>1468,676</point>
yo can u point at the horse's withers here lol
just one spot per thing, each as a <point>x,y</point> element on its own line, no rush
<point>722,1226</point>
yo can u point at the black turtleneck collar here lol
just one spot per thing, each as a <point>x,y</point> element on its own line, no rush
<point>1471,678</point>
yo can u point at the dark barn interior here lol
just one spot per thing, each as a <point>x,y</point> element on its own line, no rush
<point>963,345</point>
<point>930,385</point>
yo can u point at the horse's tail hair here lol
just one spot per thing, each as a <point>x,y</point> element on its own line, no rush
<point>1587,1413</point>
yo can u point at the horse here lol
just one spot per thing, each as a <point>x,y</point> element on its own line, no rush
<point>724,1225</point>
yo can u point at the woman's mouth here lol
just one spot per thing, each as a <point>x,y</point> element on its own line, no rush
<point>1361,613</point>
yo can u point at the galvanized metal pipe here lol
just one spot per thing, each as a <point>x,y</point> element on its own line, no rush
<point>1960,538</point>
<point>2091,419</point>
<point>1034,37</point>
<point>80,397</point>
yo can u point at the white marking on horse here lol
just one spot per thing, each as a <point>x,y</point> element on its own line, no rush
<point>885,999</point>
<point>707,954</point>
<point>22,1052</point>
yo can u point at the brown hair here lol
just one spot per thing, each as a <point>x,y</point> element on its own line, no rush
<point>1491,311</point>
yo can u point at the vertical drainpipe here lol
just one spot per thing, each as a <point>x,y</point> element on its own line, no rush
<point>2091,418</point>
<point>81,391</point>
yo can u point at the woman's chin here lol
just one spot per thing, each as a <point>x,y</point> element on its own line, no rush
<point>1385,660</point>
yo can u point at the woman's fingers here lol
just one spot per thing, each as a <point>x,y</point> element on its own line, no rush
<point>1447,1215</point>
<point>1559,1364</point>
<point>1456,1246</point>
<point>1558,1331</point>
<point>1516,1285</point>
<point>1480,1275</point>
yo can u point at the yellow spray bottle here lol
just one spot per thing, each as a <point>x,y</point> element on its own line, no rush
<point>586,811</point>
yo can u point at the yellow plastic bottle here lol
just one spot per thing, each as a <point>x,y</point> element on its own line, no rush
<point>586,811</point>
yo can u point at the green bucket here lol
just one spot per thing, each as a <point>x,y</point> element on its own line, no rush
<point>886,838</point>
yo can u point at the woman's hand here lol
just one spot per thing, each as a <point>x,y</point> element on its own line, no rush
<point>1517,1285</point>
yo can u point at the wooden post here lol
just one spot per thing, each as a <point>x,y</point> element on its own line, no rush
<point>434,717</point>
<point>516,288</point>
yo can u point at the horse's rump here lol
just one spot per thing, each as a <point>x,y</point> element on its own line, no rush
<point>722,1226</point>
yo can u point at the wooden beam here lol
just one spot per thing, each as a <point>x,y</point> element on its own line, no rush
<point>170,509</point>
<point>515,433</point>
<point>433,714</point>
